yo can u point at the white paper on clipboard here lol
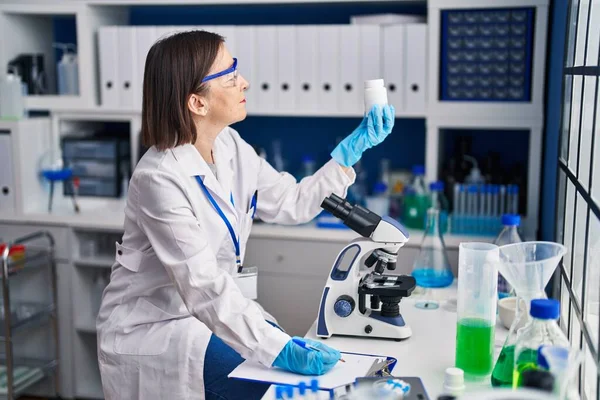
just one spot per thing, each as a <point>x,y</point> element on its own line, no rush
<point>356,365</point>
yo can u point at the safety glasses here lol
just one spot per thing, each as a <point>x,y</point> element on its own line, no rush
<point>230,75</point>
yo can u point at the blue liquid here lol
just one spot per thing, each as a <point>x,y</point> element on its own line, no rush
<point>432,278</point>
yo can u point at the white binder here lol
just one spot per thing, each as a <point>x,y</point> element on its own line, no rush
<point>245,42</point>
<point>328,53</point>
<point>109,66</point>
<point>228,32</point>
<point>370,52</point>
<point>350,88</point>
<point>7,188</point>
<point>416,67</point>
<point>286,68</point>
<point>127,64</point>
<point>145,38</point>
<point>393,64</point>
<point>266,45</point>
<point>307,71</point>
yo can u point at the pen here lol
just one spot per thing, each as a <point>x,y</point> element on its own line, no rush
<point>307,346</point>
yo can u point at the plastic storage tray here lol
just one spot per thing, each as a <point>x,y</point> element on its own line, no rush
<point>486,55</point>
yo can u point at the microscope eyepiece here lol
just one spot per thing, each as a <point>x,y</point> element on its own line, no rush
<point>354,217</point>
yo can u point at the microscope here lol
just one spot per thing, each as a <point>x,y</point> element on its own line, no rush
<point>358,301</point>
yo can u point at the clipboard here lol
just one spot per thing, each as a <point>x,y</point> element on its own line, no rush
<point>379,366</point>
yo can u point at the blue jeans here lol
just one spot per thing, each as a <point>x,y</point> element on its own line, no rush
<point>219,361</point>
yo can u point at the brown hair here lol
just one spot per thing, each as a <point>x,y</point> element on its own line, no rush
<point>175,67</point>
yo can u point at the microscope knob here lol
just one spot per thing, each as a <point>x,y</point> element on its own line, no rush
<point>344,306</point>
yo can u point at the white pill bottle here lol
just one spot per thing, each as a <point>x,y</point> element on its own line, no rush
<point>375,93</point>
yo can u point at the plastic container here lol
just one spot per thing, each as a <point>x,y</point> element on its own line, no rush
<point>68,70</point>
<point>416,200</point>
<point>379,203</point>
<point>308,167</point>
<point>541,330</point>
<point>476,308</point>
<point>12,103</point>
<point>508,235</point>
<point>375,93</point>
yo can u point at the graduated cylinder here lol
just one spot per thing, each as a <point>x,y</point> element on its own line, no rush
<point>476,308</point>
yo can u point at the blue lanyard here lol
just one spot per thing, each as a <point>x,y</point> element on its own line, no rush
<point>236,242</point>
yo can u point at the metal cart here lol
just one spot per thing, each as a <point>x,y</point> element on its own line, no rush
<point>20,374</point>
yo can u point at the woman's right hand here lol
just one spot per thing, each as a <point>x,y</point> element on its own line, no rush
<point>300,360</point>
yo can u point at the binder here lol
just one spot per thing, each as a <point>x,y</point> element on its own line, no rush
<point>357,365</point>
<point>266,46</point>
<point>416,67</point>
<point>350,88</point>
<point>328,54</point>
<point>286,68</point>
<point>306,82</point>
<point>145,38</point>
<point>109,79</point>
<point>370,52</point>
<point>393,64</point>
<point>127,87</point>
<point>245,43</point>
<point>7,188</point>
<point>228,33</point>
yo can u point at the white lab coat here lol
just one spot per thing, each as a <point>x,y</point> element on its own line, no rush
<point>171,285</point>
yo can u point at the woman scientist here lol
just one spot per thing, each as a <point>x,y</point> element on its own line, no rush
<point>173,322</point>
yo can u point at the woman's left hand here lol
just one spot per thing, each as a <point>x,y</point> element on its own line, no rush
<point>373,129</point>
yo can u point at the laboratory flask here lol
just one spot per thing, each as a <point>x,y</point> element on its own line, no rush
<point>542,330</point>
<point>476,308</point>
<point>431,268</point>
<point>527,267</point>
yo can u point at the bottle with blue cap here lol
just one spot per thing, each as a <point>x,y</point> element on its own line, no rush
<point>439,202</point>
<point>508,235</point>
<point>379,202</point>
<point>416,200</point>
<point>541,330</point>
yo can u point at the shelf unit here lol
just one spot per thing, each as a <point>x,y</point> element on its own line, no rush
<point>21,315</point>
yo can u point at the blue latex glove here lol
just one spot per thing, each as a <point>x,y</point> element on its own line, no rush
<point>375,127</point>
<point>297,359</point>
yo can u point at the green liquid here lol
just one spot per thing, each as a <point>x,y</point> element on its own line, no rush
<point>527,361</point>
<point>474,346</point>
<point>502,376</point>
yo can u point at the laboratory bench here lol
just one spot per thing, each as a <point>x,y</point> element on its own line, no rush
<point>286,279</point>
<point>427,353</point>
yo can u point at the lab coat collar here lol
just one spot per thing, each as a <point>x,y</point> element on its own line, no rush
<point>190,159</point>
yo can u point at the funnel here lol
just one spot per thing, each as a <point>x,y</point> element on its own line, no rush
<point>528,266</point>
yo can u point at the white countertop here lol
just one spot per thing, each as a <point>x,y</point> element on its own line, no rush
<point>427,353</point>
<point>107,214</point>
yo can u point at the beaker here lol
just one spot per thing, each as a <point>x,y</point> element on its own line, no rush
<point>476,308</point>
<point>527,267</point>
<point>431,268</point>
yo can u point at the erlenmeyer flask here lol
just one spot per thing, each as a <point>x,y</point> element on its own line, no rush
<point>527,267</point>
<point>431,268</point>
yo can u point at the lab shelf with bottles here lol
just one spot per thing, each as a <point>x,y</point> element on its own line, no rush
<point>27,264</point>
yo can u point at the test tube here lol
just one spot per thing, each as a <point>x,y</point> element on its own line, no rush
<point>495,191</point>
<point>482,203</point>
<point>456,211</point>
<point>463,208</point>
<point>502,200</point>
<point>471,208</point>
<point>515,200</point>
